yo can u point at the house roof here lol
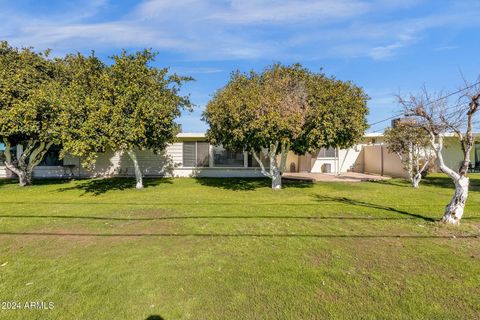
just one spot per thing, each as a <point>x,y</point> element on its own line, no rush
<point>373,135</point>
<point>201,135</point>
<point>191,135</point>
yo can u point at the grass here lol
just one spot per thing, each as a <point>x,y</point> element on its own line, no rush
<point>234,249</point>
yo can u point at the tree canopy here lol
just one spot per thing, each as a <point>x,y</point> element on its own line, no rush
<point>30,106</point>
<point>285,108</point>
<point>411,143</point>
<point>85,106</point>
<point>84,109</point>
<point>127,106</point>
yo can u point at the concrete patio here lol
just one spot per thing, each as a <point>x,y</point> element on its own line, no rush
<point>330,177</point>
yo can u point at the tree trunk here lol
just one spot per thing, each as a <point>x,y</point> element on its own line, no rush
<point>454,210</point>
<point>276,179</point>
<point>25,178</point>
<point>31,156</point>
<point>138,172</point>
<point>416,179</point>
<point>275,171</point>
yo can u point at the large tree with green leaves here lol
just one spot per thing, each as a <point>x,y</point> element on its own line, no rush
<point>285,108</point>
<point>85,110</point>
<point>29,107</point>
<point>140,105</point>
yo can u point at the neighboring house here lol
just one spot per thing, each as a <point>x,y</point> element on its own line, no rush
<point>192,155</point>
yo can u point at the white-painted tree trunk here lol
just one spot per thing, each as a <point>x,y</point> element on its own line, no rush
<point>276,178</point>
<point>138,171</point>
<point>416,180</point>
<point>276,170</point>
<point>411,164</point>
<point>454,210</point>
<point>24,176</point>
<point>23,168</point>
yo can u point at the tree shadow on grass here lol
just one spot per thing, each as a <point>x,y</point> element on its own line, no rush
<point>104,185</point>
<point>155,317</point>
<point>433,181</point>
<point>211,217</point>
<point>36,181</point>
<point>8,182</point>
<point>395,182</point>
<point>446,182</point>
<point>248,184</point>
<point>242,235</point>
<point>365,204</point>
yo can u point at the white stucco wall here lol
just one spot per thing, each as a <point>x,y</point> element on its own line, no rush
<point>318,165</point>
<point>3,172</point>
<point>453,154</point>
<point>351,159</point>
<point>364,157</point>
<point>378,160</point>
<point>119,164</point>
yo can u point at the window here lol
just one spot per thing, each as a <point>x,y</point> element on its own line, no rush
<point>203,154</point>
<point>327,153</point>
<point>52,158</point>
<point>2,152</point>
<point>189,154</point>
<point>13,152</point>
<point>253,163</point>
<point>196,154</point>
<point>226,158</point>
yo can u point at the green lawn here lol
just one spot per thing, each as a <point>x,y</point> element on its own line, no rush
<point>234,249</point>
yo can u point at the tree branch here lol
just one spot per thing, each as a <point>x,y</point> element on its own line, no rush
<point>285,150</point>
<point>39,154</point>
<point>441,163</point>
<point>264,172</point>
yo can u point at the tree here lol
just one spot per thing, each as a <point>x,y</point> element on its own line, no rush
<point>412,145</point>
<point>440,119</point>
<point>85,111</point>
<point>285,108</point>
<point>29,107</point>
<point>140,105</point>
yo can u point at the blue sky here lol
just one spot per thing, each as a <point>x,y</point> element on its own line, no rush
<point>385,46</point>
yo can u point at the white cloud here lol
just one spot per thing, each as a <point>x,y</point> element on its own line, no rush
<point>240,29</point>
<point>275,11</point>
<point>387,51</point>
<point>114,33</point>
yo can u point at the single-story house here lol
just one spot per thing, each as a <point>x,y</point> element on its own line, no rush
<point>192,155</point>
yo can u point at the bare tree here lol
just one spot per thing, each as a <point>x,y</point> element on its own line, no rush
<point>435,115</point>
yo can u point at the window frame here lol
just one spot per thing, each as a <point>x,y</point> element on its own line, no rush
<point>59,162</point>
<point>322,153</point>
<point>196,160</point>
<point>211,158</point>
<point>13,152</point>
<point>244,156</point>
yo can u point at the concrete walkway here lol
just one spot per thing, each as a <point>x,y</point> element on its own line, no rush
<point>330,177</point>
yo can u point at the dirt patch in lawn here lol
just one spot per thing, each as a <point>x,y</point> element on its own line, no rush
<point>57,241</point>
